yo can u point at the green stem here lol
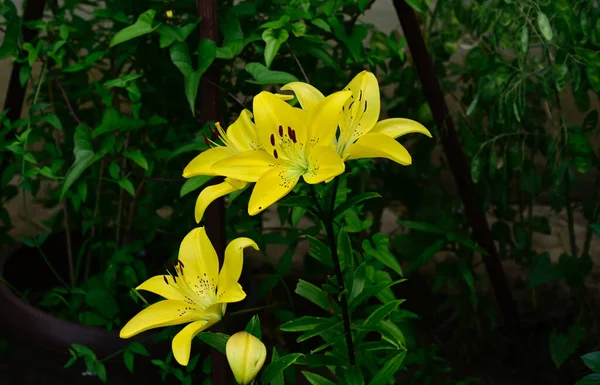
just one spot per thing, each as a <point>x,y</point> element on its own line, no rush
<point>328,222</point>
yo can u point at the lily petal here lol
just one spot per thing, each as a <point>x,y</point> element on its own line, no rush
<point>234,260</point>
<point>361,111</point>
<point>307,95</point>
<point>323,163</point>
<point>270,113</point>
<point>397,127</point>
<point>242,133</point>
<point>163,313</point>
<point>232,292</point>
<point>211,193</point>
<point>199,257</point>
<point>202,163</point>
<point>158,285</point>
<point>377,145</point>
<point>270,187</point>
<point>182,342</point>
<point>325,117</point>
<point>246,166</point>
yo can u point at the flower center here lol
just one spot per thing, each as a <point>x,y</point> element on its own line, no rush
<point>196,290</point>
<point>287,148</point>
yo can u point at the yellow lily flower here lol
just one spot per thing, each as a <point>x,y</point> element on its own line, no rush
<point>196,294</point>
<point>240,136</point>
<point>246,355</point>
<point>361,136</point>
<point>297,143</point>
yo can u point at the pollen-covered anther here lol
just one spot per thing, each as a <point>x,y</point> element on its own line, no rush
<point>166,281</point>
<point>281,130</point>
<point>206,140</point>
<point>275,154</point>
<point>272,140</point>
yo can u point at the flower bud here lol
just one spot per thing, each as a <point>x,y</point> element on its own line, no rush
<point>246,355</point>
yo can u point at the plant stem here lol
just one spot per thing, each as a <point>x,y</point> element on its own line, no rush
<point>328,222</point>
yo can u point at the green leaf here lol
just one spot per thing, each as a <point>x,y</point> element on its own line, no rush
<point>378,248</point>
<point>24,75</point>
<point>263,75</point>
<point>390,368</point>
<point>277,367</point>
<point>524,39</point>
<point>370,291</point>
<point>417,5</point>
<point>137,156</point>
<point>344,249</point>
<point>316,296</point>
<point>319,251</point>
<point>278,379</point>
<point>273,38</point>
<point>544,25</point>
<point>192,81</point>
<point>207,52</point>
<point>592,361</point>
<point>53,120</point>
<point>100,371</point>
<point>354,376</point>
<point>593,75</point>
<point>180,56</point>
<point>320,23</point>
<point>299,28</point>
<point>590,379</point>
<point>169,34</point>
<point>9,44</point>
<point>383,311</point>
<point>142,26</point>
<point>128,360</point>
<point>216,340</point>
<point>137,348</point>
<point>562,346</point>
<point>253,327</point>
<point>303,323</point>
<point>83,351</point>
<point>84,157</point>
<point>126,185</point>
<point>473,105</point>
<point>353,201</point>
<point>316,379</point>
<point>194,183</point>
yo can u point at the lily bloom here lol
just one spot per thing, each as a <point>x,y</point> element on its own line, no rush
<point>197,293</point>
<point>361,135</point>
<point>240,136</point>
<point>296,143</point>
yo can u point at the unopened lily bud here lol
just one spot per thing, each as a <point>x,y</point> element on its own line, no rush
<point>246,355</point>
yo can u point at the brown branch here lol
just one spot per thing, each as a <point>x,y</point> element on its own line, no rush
<point>66,99</point>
